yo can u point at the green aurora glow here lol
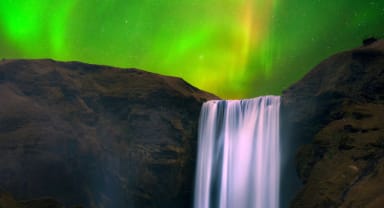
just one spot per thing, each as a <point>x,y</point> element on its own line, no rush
<point>233,48</point>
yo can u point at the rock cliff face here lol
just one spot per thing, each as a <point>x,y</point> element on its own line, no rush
<point>335,114</point>
<point>97,136</point>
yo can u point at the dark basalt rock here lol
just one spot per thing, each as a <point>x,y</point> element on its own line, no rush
<point>8,201</point>
<point>333,116</point>
<point>97,136</point>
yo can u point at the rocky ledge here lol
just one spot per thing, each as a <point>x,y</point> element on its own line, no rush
<point>97,136</point>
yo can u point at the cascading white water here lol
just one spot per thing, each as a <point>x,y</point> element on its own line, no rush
<point>238,154</point>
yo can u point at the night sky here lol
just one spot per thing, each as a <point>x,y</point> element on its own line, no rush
<point>232,48</point>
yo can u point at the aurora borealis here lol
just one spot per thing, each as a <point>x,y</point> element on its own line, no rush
<point>233,48</point>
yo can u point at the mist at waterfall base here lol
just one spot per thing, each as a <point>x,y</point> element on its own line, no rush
<point>238,162</point>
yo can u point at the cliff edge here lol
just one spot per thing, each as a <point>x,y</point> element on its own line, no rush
<point>334,116</point>
<point>97,136</point>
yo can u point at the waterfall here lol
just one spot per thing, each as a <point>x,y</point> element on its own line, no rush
<point>238,163</point>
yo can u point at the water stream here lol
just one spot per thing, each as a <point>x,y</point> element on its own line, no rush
<point>238,154</point>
